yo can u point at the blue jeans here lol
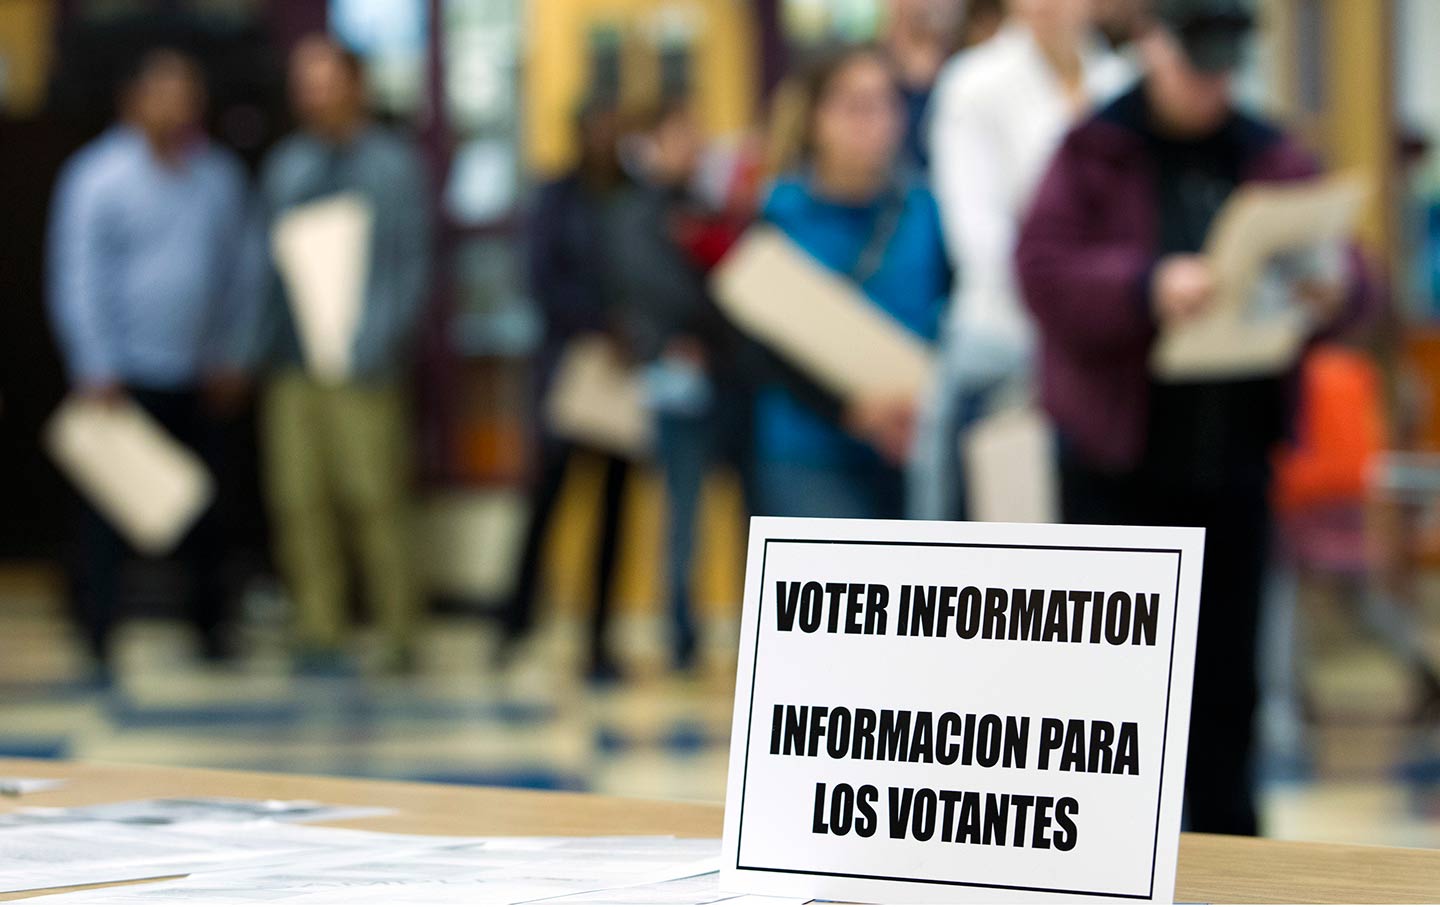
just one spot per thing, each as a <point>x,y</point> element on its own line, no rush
<point>935,487</point>
<point>687,446</point>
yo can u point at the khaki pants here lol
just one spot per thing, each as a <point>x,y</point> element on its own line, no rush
<point>338,477</point>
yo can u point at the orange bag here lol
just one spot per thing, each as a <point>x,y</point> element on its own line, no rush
<point>1339,430</point>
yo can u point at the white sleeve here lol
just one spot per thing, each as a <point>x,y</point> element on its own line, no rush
<point>969,174</point>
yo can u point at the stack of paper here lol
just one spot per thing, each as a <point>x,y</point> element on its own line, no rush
<point>176,810</point>
<point>241,863</point>
<point>232,851</point>
<point>18,787</point>
<point>150,487</point>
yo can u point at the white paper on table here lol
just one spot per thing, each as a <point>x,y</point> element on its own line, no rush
<point>176,810</point>
<point>696,889</point>
<point>322,251</point>
<point>19,787</point>
<point>1009,459</point>
<point>818,320</point>
<point>1254,328</point>
<point>148,485</point>
<point>39,856</point>
<point>366,867</point>
<point>599,400</point>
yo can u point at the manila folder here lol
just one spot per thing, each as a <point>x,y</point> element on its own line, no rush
<point>817,320</point>
<point>598,400</point>
<point>1241,335</point>
<point>322,251</point>
<point>148,485</point>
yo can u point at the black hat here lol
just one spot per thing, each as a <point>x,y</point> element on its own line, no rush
<point>1212,33</point>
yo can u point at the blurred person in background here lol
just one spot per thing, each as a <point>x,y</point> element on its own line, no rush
<point>153,273</point>
<point>1107,255</point>
<point>919,36</point>
<point>981,21</point>
<point>1120,22</point>
<point>571,280</point>
<point>1330,526</point>
<point>1000,110</point>
<point>659,249</point>
<point>338,453</point>
<point>845,201</point>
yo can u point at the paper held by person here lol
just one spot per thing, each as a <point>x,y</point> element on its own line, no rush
<point>1010,459</point>
<point>322,251</point>
<point>1264,240</point>
<point>599,400</point>
<point>148,485</point>
<point>818,320</point>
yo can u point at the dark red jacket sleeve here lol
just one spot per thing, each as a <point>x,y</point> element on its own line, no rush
<point>1090,292</point>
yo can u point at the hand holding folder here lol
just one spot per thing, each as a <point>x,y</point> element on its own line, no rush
<point>322,251</point>
<point>1264,239</point>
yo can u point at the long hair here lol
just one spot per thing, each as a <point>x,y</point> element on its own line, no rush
<point>790,134</point>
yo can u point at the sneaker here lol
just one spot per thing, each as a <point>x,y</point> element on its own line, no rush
<point>687,651</point>
<point>603,671</point>
<point>322,663</point>
<point>400,661</point>
<point>506,650</point>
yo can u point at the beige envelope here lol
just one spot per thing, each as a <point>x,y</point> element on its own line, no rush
<point>1009,459</point>
<point>818,320</point>
<point>1240,336</point>
<point>149,486</point>
<point>322,251</point>
<point>599,400</point>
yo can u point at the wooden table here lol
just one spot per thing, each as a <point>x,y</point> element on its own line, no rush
<point>1213,869</point>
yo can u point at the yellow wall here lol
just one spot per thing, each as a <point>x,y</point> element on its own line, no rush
<point>26,45</point>
<point>724,62</point>
<point>1361,126</point>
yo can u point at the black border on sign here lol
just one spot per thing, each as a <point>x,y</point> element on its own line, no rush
<point>1164,737</point>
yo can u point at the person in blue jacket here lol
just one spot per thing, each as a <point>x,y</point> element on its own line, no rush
<point>844,201</point>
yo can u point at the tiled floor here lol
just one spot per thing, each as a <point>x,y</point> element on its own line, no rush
<point>1354,772</point>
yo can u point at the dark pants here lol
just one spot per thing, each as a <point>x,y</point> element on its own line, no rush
<point>519,614</point>
<point>99,552</point>
<point>1219,783</point>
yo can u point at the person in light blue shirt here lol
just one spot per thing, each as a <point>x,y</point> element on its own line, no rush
<point>154,271</point>
<point>846,205</point>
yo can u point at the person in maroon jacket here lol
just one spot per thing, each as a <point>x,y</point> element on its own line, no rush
<point>1109,253</point>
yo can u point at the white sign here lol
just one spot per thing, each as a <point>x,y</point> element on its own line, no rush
<point>952,712</point>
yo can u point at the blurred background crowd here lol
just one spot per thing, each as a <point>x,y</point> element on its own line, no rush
<point>410,571</point>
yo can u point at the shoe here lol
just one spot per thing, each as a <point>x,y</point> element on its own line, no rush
<point>603,671</point>
<point>322,663</point>
<point>98,678</point>
<point>687,653</point>
<point>216,647</point>
<point>400,661</point>
<point>1427,709</point>
<point>507,648</point>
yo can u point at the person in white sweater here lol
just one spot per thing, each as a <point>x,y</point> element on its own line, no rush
<point>999,111</point>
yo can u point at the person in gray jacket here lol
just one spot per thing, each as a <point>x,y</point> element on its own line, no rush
<point>338,449</point>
